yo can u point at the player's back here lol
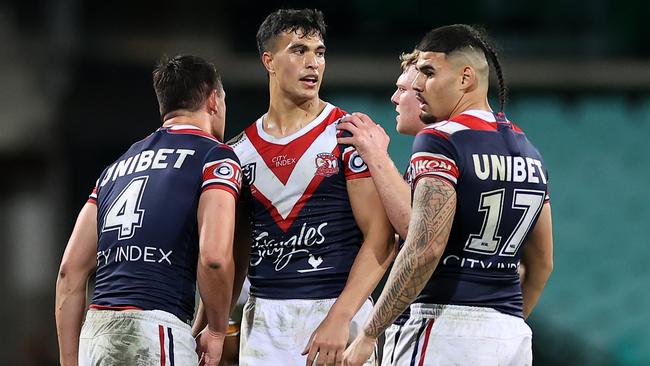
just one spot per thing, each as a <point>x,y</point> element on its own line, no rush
<point>501,185</point>
<point>147,219</point>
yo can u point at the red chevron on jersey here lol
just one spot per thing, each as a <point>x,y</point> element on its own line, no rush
<point>278,210</point>
<point>288,170</point>
<point>281,160</point>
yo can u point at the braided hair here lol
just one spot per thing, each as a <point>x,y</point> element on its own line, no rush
<point>455,37</point>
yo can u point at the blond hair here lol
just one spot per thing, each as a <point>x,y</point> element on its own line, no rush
<point>409,59</point>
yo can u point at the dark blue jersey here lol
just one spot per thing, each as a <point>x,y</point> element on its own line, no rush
<point>147,204</point>
<point>304,237</point>
<point>501,186</point>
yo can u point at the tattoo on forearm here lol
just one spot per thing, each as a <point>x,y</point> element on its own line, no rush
<point>434,206</point>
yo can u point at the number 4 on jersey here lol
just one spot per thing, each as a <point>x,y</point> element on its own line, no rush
<point>125,214</point>
<point>487,241</point>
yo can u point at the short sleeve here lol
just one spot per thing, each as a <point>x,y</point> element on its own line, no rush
<point>92,198</point>
<point>433,155</point>
<point>547,195</point>
<point>222,170</point>
<point>353,165</point>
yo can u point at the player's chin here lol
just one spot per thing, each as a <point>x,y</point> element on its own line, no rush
<point>427,117</point>
<point>309,93</point>
<point>399,127</point>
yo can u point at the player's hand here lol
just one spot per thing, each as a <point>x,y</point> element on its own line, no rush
<point>209,346</point>
<point>327,343</point>
<point>367,137</point>
<point>359,351</point>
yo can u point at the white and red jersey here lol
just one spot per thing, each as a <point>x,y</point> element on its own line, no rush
<point>304,237</point>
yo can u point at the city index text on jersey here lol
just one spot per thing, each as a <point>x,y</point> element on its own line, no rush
<point>147,159</point>
<point>508,168</point>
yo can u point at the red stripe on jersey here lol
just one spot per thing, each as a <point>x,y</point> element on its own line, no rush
<point>285,224</point>
<point>282,159</point>
<point>353,176</point>
<point>92,198</point>
<point>222,187</point>
<point>426,342</point>
<point>424,163</point>
<point>225,171</point>
<point>107,307</point>
<point>354,166</point>
<point>474,123</point>
<point>432,131</point>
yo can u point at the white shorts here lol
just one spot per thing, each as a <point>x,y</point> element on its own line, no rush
<point>391,337</point>
<point>275,332</point>
<point>137,338</point>
<point>463,335</point>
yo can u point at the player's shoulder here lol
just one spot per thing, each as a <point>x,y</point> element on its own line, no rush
<point>330,115</point>
<point>472,120</point>
<point>237,140</point>
<point>480,120</point>
<point>243,141</point>
<point>336,113</point>
<point>442,129</point>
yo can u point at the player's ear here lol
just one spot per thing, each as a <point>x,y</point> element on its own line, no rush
<point>267,61</point>
<point>467,79</point>
<point>212,102</point>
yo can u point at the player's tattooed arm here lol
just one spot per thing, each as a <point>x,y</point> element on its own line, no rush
<point>434,206</point>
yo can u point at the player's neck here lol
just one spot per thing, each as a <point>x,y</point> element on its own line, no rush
<point>286,117</point>
<point>471,102</point>
<point>176,118</point>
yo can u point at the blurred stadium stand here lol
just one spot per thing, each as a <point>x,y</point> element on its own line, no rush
<point>76,91</point>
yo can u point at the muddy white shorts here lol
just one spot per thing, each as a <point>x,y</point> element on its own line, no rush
<point>135,338</point>
<point>391,338</point>
<point>275,332</point>
<point>462,335</point>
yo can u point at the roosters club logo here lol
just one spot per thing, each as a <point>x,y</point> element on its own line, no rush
<point>326,164</point>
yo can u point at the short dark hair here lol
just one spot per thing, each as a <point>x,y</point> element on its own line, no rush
<point>184,82</point>
<point>455,37</point>
<point>310,22</point>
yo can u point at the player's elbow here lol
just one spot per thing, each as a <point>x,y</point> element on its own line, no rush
<point>63,271</point>
<point>386,241</point>
<point>215,261</point>
<point>68,270</point>
<point>540,270</point>
<point>542,263</point>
